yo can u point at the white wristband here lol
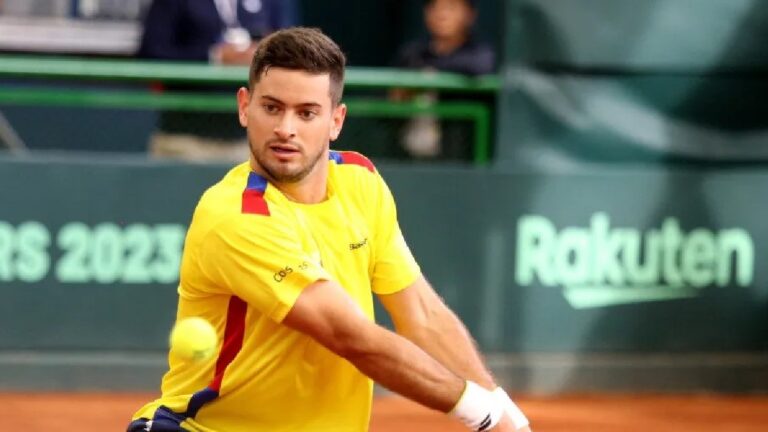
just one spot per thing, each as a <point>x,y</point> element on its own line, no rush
<point>478,408</point>
<point>512,410</point>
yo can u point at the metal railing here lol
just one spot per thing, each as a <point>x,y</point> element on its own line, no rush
<point>127,84</point>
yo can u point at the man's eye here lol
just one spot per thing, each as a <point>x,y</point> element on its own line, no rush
<point>307,115</point>
<point>270,108</point>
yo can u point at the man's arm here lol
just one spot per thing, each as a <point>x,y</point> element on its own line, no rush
<point>420,315</point>
<point>326,313</point>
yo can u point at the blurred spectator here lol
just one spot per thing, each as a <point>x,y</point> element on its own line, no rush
<point>450,47</point>
<point>216,31</point>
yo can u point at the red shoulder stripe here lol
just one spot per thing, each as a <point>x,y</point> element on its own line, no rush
<point>253,201</point>
<point>355,158</point>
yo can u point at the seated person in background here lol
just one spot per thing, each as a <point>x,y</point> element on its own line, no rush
<point>450,47</point>
<point>215,31</point>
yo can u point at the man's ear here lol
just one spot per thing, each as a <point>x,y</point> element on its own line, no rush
<point>337,121</point>
<point>243,100</point>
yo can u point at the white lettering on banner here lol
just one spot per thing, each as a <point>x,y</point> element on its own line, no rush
<point>601,265</point>
<point>104,253</point>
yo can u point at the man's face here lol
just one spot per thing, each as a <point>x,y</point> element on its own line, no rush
<point>290,121</point>
<point>448,18</point>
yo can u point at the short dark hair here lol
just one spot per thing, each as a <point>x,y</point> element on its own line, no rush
<point>300,48</point>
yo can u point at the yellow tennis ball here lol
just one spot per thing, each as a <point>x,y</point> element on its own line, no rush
<point>193,339</point>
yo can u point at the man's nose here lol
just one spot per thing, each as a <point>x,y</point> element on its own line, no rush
<point>285,128</point>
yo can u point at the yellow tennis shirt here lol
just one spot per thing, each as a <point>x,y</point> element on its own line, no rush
<point>248,255</point>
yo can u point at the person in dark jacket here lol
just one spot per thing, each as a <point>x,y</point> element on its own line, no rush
<point>214,31</point>
<point>450,47</point>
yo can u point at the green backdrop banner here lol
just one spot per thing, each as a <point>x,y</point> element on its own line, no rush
<point>683,35</point>
<point>629,261</point>
<point>557,120</point>
<point>622,81</point>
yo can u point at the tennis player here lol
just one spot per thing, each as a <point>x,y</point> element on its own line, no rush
<point>283,257</point>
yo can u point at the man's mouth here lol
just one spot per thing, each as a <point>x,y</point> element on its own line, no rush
<point>284,149</point>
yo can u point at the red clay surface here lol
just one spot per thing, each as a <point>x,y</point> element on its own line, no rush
<point>45,412</point>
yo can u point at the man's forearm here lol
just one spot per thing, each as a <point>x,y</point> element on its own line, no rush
<point>403,367</point>
<point>446,339</point>
<point>326,313</point>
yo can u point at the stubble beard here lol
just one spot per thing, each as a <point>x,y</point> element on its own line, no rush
<point>280,173</point>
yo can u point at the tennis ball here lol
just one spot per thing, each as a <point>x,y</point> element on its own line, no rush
<point>193,339</point>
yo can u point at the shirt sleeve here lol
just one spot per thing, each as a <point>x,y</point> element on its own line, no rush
<point>395,268</point>
<point>261,261</point>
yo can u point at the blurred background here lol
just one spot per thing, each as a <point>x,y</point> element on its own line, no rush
<point>584,181</point>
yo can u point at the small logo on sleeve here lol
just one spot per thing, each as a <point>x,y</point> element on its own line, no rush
<point>281,274</point>
<point>358,245</point>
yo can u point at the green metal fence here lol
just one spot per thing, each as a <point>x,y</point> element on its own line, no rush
<point>136,77</point>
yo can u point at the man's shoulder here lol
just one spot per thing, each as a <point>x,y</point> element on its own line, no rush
<point>233,180</point>
<point>352,159</point>
<point>240,191</point>
<point>355,177</point>
<point>239,214</point>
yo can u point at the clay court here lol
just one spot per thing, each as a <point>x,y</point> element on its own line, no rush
<point>44,412</point>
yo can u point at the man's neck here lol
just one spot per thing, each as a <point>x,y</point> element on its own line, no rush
<point>312,189</point>
<point>305,192</point>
